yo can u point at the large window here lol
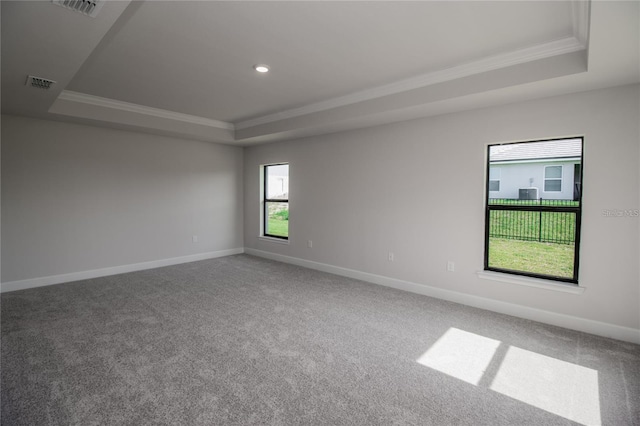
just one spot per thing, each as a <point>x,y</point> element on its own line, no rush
<point>530,230</point>
<point>275,211</point>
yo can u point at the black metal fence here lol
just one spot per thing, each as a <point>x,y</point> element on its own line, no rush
<point>550,221</point>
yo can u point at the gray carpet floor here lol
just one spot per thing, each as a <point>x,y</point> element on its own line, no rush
<point>247,341</point>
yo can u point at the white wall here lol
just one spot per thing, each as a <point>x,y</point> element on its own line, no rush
<point>78,198</point>
<point>359,195</point>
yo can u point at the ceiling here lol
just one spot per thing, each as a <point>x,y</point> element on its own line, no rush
<point>185,68</point>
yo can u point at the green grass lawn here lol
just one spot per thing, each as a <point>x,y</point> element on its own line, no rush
<point>532,256</point>
<point>278,219</point>
<point>279,227</point>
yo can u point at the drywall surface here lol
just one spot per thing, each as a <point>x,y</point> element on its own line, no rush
<point>77,198</point>
<point>416,189</point>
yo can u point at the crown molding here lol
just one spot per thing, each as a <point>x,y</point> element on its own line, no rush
<point>490,63</point>
<point>83,98</point>
<point>578,41</point>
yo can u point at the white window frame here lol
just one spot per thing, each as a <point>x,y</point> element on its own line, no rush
<point>561,178</point>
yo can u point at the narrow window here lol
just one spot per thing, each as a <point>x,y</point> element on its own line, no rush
<point>553,179</point>
<point>275,212</point>
<point>529,230</point>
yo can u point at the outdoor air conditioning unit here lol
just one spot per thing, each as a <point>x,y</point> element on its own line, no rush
<point>528,194</point>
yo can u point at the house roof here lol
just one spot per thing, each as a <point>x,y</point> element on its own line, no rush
<point>547,150</point>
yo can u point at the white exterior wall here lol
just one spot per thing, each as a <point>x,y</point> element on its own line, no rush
<point>278,186</point>
<point>525,175</point>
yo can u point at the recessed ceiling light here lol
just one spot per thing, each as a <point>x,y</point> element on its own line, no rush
<point>261,68</point>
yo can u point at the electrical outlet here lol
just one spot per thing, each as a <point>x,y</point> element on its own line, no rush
<point>310,244</point>
<point>391,256</point>
<point>194,238</point>
<point>451,267</point>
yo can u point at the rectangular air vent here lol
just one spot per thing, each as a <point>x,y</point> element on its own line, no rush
<point>39,82</point>
<point>86,7</point>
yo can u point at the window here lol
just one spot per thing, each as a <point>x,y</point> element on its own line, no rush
<point>527,235</point>
<point>275,211</point>
<point>494,179</point>
<point>552,178</point>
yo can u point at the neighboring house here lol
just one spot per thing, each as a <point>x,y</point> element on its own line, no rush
<point>279,187</point>
<point>278,182</point>
<point>548,170</point>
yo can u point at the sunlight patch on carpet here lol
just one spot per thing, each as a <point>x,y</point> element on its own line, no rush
<point>559,387</point>
<point>461,354</point>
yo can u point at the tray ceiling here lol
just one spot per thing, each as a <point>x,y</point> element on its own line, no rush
<point>186,68</point>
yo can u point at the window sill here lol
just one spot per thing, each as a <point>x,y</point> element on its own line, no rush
<point>274,240</point>
<point>531,282</point>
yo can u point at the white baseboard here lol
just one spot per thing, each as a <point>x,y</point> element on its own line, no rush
<point>567,321</point>
<point>95,273</point>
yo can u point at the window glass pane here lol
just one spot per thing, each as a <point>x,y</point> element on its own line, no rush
<point>494,185</point>
<point>553,185</point>
<point>527,241</point>
<point>277,222</point>
<point>277,184</point>
<point>553,172</point>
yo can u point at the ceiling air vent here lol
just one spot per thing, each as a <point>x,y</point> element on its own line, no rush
<point>39,83</point>
<point>86,7</point>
